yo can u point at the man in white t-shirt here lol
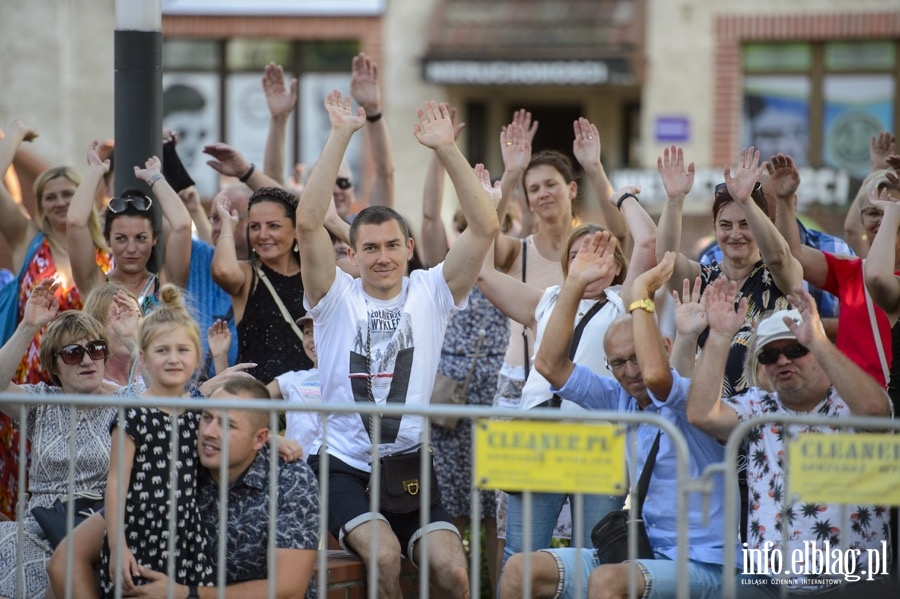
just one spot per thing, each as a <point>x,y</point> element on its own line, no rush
<point>379,339</point>
<point>303,387</point>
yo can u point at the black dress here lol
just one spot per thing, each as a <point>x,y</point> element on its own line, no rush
<point>263,335</point>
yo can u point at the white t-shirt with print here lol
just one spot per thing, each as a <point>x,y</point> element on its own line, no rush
<point>398,341</point>
<point>590,351</point>
<point>302,387</point>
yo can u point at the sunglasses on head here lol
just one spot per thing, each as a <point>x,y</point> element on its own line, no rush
<point>722,191</point>
<point>791,352</point>
<point>344,182</point>
<point>140,203</point>
<point>74,353</point>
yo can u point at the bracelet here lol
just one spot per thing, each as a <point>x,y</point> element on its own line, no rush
<point>224,236</point>
<point>154,179</point>
<point>246,176</point>
<point>624,197</point>
<point>645,304</point>
<point>374,118</point>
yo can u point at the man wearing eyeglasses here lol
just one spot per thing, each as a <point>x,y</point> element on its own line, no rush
<point>810,376</point>
<point>344,196</point>
<point>643,381</point>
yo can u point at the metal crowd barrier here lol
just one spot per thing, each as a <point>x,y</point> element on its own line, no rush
<point>732,447</point>
<point>685,485</point>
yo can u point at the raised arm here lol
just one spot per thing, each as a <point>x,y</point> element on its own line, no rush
<point>365,89</point>
<point>434,130</point>
<point>41,307</point>
<point>226,269</point>
<point>191,199</point>
<point>785,269</point>
<point>705,408</point>
<point>690,322</point>
<point>643,232</point>
<point>178,241</point>
<point>517,300</point>
<point>15,226</point>
<point>586,149</point>
<point>595,260</point>
<point>785,179</point>
<point>648,343</point>
<point>882,283</point>
<point>232,163</point>
<point>316,250</point>
<point>79,243</point>
<point>281,101</point>
<point>434,236</point>
<point>677,181</point>
<point>515,147</point>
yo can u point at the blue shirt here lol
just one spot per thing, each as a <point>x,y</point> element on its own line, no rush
<point>596,392</point>
<point>827,303</point>
<point>207,302</point>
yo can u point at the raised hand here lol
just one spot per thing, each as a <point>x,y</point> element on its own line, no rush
<point>784,176</point>
<point>364,84</point>
<point>222,208</point>
<point>219,337</point>
<point>746,175</point>
<point>491,189</point>
<point>811,328</point>
<point>720,312</point>
<point>883,200</point>
<point>893,161</point>
<point>690,309</point>
<point>522,118</point>
<point>153,166</point>
<point>595,258</point>
<point>93,156</point>
<point>649,281</point>
<point>280,99</point>
<point>434,127</point>
<point>340,113</point>
<point>42,305</point>
<point>515,147</point>
<point>226,160</point>
<point>880,147</point>
<point>23,131</point>
<point>586,146</point>
<point>677,180</point>
<point>191,198</point>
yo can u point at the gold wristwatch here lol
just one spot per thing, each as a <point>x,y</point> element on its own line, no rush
<point>645,304</point>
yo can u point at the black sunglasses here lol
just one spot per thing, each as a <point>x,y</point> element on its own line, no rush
<point>140,203</point>
<point>344,183</point>
<point>722,192</point>
<point>791,352</point>
<point>74,353</point>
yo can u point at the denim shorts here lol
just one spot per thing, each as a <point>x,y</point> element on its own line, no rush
<point>660,575</point>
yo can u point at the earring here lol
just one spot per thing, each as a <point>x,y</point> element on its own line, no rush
<point>296,248</point>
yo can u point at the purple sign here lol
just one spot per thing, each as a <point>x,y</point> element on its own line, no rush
<point>672,129</point>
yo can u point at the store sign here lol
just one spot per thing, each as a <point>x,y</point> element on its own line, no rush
<point>274,7</point>
<point>524,72</point>
<point>672,129</point>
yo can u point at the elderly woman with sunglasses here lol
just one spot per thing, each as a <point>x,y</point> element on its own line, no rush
<point>131,234</point>
<point>754,254</point>
<point>74,352</point>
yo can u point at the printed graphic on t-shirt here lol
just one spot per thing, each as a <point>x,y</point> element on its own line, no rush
<point>381,364</point>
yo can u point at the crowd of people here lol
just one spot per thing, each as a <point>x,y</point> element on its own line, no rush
<point>285,290</point>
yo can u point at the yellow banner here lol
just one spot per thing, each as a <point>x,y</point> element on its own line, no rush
<point>851,468</point>
<point>553,457</point>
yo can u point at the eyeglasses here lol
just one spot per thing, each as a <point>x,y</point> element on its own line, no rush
<point>617,365</point>
<point>344,182</point>
<point>139,203</point>
<point>74,353</point>
<point>722,192</point>
<point>791,352</point>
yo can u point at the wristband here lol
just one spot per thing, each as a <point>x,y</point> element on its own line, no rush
<point>374,118</point>
<point>154,179</point>
<point>624,197</point>
<point>246,176</point>
<point>193,593</point>
<point>645,304</point>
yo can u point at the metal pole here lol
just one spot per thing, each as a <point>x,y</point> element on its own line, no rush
<point>138,92</point>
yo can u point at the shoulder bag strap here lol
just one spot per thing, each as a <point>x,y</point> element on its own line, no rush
<point>876,333</point>
<point>646,473</point>
<point>284,311</point>
<point>525,329</point>
<point>579,329</point>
